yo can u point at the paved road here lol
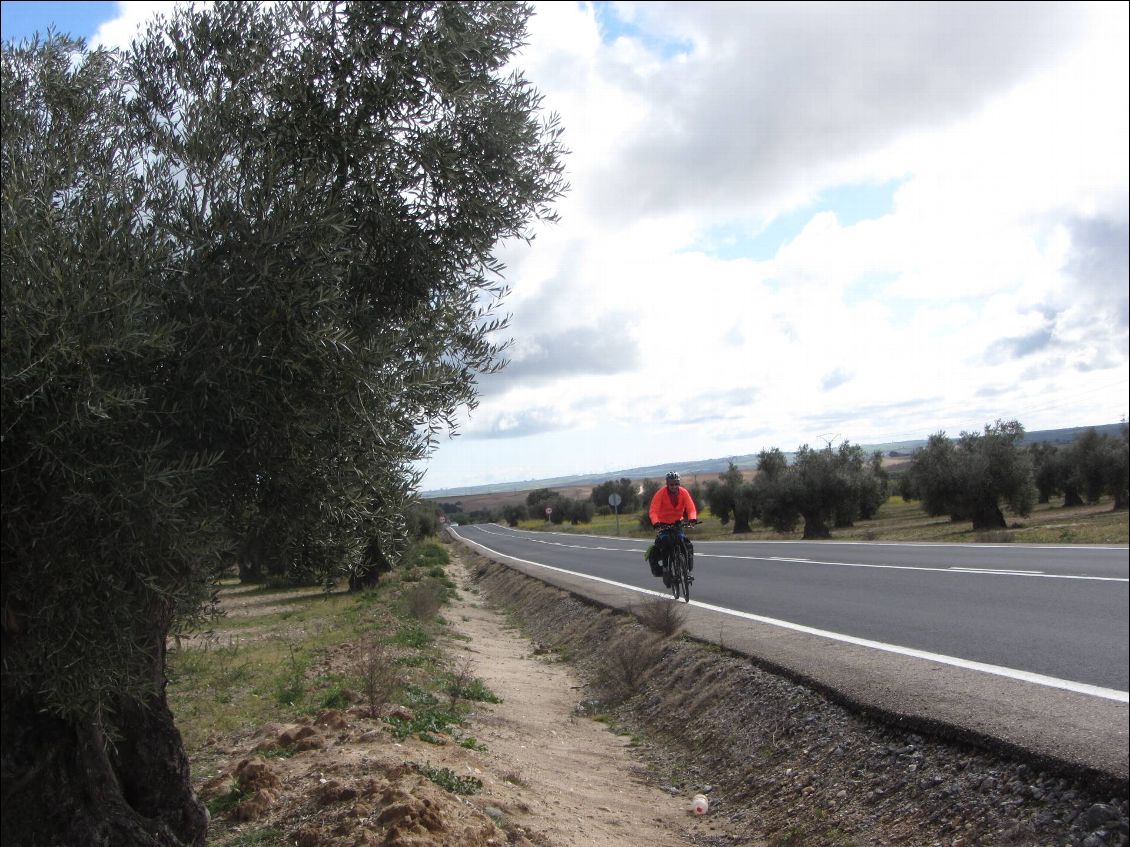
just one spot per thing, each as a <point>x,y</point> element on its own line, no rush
<point>977,637</point>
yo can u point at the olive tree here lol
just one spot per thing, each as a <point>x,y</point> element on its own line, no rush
<point>824,487</point>
<point>731,496</point>
<point>775,492</point>
<point>248,278</point>
<point>628,491</point>
<point>1118,469</point>
<point>970,479</point>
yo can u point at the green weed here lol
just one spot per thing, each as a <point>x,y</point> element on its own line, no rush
<point>258,838</point>
<point>447,779</point>
<point>224,803</point>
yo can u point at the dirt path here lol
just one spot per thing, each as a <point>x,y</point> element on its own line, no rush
<point>546,776</point>
<point>566,777</point>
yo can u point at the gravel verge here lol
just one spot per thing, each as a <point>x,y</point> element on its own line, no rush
<point>786,765</point>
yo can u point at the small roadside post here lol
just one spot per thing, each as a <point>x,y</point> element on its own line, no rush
<point>614,500</point>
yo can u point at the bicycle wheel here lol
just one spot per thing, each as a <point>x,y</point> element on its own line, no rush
<point>688,577</point>
<point>680,578</point>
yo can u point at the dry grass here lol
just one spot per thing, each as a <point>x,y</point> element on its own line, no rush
<point>462,675</point>
<point>626,665</point>
<point>380,677</point>
<point>665,617</point>
<point>423,601</point>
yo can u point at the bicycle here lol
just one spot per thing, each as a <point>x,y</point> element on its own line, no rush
<point>678,559</point>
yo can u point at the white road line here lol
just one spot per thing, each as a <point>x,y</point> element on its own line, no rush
<point>981,667</point>
<point>1007,573</point>
<point>953,569</point>
<point>835,542</point>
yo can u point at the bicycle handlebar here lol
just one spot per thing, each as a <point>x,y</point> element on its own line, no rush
<point>686,522</point>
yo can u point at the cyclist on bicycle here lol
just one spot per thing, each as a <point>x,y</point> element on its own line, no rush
<point>670,504</point>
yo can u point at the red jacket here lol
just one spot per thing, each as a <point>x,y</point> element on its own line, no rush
<point>665,510</point>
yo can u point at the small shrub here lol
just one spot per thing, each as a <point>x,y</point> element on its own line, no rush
<point>423,602</point>
<point>380,677</point>
<point>464,685</point>
<point>291,683</point>
<point>663,616</point>
<point>428,717</point>
<point>626,665</point>
<point>335,698</point>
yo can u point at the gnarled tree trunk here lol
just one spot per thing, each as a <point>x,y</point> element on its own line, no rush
<point>815,526</point>
<point>374,563</point>
<point>988,516</point>
<point>121,781</point>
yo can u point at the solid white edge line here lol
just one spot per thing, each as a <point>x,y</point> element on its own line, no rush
<point>981,667</point>
<point>833,542</point>
<point>952,569</point>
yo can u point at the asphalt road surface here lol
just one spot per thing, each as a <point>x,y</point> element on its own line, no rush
<point>1025,644</point>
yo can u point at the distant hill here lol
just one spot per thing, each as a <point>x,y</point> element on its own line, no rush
<point>719,465</point>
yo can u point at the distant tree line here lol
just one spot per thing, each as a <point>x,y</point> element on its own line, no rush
<point>970,478</point>
<point>1083,471</point>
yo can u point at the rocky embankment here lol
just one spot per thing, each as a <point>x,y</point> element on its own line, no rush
<point>785,765</point>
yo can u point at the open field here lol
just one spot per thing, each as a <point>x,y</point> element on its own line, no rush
<point>900,520</point>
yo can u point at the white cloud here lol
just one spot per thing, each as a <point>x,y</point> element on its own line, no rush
<point>992,286</point>
<point>648,329</point>
<point>133,17</point>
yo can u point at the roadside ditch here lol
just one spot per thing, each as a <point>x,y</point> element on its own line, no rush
<point>784,763</point>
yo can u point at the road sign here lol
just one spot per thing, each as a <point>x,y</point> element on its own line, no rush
<point>614,500</point>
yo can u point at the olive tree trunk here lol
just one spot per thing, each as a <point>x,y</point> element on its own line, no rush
<point>121,781</point>
<point>815,526</point>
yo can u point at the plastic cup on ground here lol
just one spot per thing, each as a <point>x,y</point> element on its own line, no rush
<point>700,804</point>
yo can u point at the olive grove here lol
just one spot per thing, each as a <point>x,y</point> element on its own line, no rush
<point>248,279</point>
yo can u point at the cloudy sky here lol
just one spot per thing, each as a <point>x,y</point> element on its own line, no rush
<point>800,223</point>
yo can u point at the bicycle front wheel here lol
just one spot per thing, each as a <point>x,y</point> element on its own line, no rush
<point>680,574</point>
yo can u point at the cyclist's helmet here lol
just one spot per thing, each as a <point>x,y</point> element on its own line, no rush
<point>672,477</point>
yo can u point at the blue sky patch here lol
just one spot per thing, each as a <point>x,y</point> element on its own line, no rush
<point>20,19</point>
<point>611,27</point>
<point>850,203</point>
